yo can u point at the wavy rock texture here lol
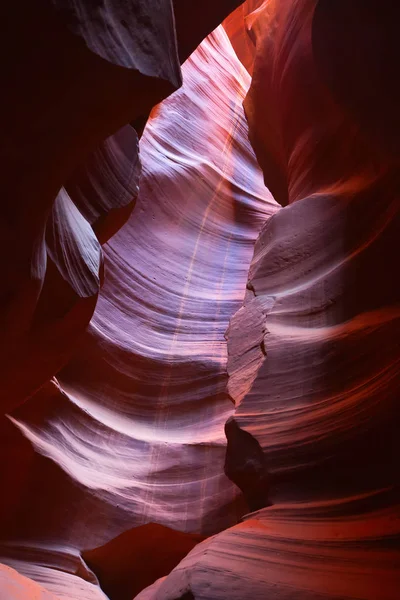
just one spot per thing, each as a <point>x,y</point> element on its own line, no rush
<point>314,352</point>
<point>105,187</point>
<point>14,586</point>
<point>133,431</point>
<point>304,552</point>
<point>66,265</point>
<point>65,585</point>
<point>125,451</point>
<point>62,97</point>
<point>239,26</point>
<point>73,74</point>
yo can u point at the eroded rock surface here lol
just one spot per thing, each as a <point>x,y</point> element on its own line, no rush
<point>132,431</point>
<point>315,376</point>
<point>291,345</point>
<point>14,586</point>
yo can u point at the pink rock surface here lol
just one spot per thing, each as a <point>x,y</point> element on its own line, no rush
<point>98,66</point>
<point>106,185</point>
<point>14,586</point>
<point>241,357</point>
<point>307,552</point>
<point>135,433</point>
<point>313,354</point>
<point>62,97</point>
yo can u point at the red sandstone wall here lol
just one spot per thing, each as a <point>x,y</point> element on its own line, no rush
<point>222,367</point>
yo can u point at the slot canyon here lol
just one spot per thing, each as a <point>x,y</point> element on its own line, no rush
<point>200,312</point>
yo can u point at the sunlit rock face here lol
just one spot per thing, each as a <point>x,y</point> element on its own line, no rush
<point>74,73</point>
<point>313,354</point>
<point>64,92</point>
<point>238,378</point>
<point>132,430</point>
<point>16,587</point>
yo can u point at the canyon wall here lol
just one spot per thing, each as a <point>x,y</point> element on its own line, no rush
<point>210,399</point>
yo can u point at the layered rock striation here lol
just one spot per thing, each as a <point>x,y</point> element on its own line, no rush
<point>238,378</point>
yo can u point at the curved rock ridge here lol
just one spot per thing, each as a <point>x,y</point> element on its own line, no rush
<point>137,35</point>
<point>60,101</point>
<point>212,292</point>
<point>307,552</point>
<point>14,586</point>
<point>322,403</point>
<point>54,586</point>
<point>106,185</point>
<point>56,297</point>
<point>324,396</point>
<point>66,267</point>
<point>97,67</point>
<point>238,25</point>
<point>135,427</point>
<point>189,239</point>
<point>313,354</point>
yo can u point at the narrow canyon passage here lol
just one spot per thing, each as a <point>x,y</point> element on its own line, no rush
<point>201,327</point>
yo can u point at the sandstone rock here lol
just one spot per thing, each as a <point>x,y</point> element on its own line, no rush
<point>313,352</point>
<point>218,308</point>
<point>137,558</point>
<point>133,432</point>
<point>14,586</point>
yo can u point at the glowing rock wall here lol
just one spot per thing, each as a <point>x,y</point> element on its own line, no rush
<point>313,354</point>
<point>238,378</point>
